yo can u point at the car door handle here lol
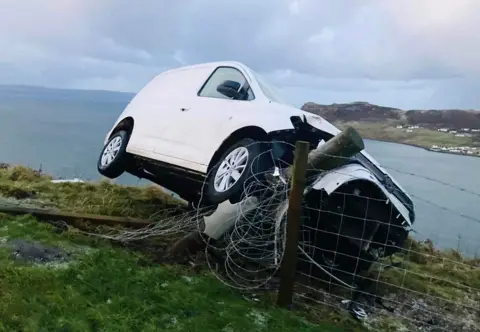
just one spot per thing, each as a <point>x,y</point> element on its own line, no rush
<point>183,109</point>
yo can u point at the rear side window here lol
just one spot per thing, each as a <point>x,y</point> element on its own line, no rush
<point>220,75</point>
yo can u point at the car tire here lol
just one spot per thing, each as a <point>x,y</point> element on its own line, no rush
<point>113,159</point>
<point>240,165</point>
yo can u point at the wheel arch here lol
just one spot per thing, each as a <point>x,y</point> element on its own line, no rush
<point>254,132</point>
<point>125,124</point>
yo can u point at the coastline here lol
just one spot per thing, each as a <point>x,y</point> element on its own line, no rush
<point>423,147</point>
<point>372,132</point>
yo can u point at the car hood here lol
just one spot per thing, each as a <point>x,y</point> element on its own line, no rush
<point>313,119</point>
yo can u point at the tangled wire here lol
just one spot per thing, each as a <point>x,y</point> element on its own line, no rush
<point>248,254</point>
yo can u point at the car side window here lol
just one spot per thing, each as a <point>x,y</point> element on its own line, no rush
<point>234,84</point>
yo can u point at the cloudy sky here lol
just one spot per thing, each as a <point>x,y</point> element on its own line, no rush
<point>403,53</point>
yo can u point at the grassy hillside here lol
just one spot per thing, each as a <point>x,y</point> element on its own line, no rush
<point>422,137</point>
<point>97,286</point>
<point>380,123</point>
<point>98,198</point>
<point>89,284</point>
<point>366,112</point>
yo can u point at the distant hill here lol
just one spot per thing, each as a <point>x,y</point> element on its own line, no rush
<point>356,111</point>
<point>15,92</point>
<point>365,112</point>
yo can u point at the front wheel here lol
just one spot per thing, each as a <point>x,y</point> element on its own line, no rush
<point>113,159</point>
<point>243,163</point>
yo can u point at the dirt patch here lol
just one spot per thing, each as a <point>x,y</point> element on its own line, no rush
<point>429,315</point>
<point>34,252</point>
<point>400,312</point>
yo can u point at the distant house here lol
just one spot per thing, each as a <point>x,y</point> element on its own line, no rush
<point>443,129</point>
<point>460,135</point>
<point>453,132</point>
<point>399,127</point>
<point>476,130</point>
<point>409,130</point>
<point>466,129</point>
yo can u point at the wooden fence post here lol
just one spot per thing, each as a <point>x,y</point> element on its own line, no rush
<point>334,153</point>
<point>289,263</point>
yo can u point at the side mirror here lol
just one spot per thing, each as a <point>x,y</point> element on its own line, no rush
<point>230,89</point>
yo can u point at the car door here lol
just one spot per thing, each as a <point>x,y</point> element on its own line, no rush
<point>202,121</point>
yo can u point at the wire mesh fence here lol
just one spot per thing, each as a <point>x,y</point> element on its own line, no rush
<point>419,285</point>
<point>355,253</point>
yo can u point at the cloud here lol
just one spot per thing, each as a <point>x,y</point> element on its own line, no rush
<point>294,7</point>
<point>409,53</point>
<point>326,35</point>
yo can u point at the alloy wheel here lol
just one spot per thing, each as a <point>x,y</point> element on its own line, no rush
<point>231,169</point>
<point>111,151</point>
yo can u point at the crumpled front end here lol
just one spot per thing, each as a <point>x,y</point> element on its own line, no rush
<point>351,221</point>
<point>355,214</point>
<point>333,180</point>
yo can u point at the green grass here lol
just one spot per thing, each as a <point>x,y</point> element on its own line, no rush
<point>420,137</point>
<point>98,198</point>
<point>111,289</point>
<point>440,273</point>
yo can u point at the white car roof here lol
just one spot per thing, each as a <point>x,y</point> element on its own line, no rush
<point>212,65</point>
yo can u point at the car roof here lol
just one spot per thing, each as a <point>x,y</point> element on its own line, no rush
<point>211,65</point>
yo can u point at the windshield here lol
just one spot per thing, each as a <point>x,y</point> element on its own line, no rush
<point>269,90</point>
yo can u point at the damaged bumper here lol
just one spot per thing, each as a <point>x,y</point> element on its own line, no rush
<point>362,166</point>
<point>334,179</point>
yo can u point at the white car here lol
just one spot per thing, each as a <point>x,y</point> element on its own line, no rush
<point>199,124</point>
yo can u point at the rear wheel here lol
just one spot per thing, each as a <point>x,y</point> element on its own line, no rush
<point>242,164</point>
<point>113,159</point>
